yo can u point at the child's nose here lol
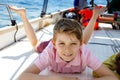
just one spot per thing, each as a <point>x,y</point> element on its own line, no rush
<point>67,48</point>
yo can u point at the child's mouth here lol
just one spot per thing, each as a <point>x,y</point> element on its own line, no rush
<point>67,55</point>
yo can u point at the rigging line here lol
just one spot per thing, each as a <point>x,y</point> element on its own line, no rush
<point>114,42</point>
<point>13,22</point>
<point>15,33</point>
<point>108,34</point>
<point>113,48</point>
<point>100,44</point>
<point>11,18</point>
<point>9,12</point>
<point>117,43</point>
<point>10,15</point>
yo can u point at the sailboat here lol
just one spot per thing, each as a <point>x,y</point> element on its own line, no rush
<point>16,52</point>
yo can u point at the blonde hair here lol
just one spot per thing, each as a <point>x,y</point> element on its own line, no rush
<point>68,26</point>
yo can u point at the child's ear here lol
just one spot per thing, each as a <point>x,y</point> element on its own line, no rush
<point>81,43</point>
<point>53,42</point>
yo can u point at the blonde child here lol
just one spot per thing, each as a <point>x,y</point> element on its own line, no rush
<point>65,53</point>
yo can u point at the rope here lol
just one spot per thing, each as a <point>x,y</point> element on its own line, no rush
<point>115,42</point>
<point>13,22</point>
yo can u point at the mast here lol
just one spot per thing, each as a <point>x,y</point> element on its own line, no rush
<point>43,12</point>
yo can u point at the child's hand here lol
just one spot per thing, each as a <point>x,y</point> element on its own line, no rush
<point>20,11</point>
<point>97,10</point>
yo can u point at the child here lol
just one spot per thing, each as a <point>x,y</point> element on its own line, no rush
<point>39,46</point>
<point>113,63</point>
<point>65,53</point>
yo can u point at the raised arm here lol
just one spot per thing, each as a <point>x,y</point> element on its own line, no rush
<point>90,27</point>
<point>31,34</point>
<point>27,26</point>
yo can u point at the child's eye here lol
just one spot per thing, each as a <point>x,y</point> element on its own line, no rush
<point>74,44</point>
<point>61,43</point>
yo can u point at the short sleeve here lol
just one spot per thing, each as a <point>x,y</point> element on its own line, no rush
<point>43,60</point>
<point>93,62</point>
<point>90,60</point>
<point>42,46</point>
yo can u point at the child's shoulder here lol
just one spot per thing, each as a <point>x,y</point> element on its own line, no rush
<point>50,45</point>
<point>85,49</point>
<point>49,48</point>
<point>84,45</point>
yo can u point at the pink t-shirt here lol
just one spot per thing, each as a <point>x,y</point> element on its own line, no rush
<point>49,58</point>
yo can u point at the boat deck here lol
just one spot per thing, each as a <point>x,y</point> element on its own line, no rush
<point>15,58</point>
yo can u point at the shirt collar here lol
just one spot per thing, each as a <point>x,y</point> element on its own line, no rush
<point>58,59</point>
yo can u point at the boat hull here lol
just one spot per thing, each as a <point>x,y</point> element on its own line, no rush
<point>8,36</point>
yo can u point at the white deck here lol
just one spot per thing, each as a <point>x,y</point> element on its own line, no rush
<point>14,59</point>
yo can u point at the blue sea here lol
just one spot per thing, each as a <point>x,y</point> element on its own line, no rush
<point>34,8</point>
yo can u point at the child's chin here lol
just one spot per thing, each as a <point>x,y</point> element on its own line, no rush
<point>67,60</point>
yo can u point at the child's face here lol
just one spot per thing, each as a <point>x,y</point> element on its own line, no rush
<point>67,46</point>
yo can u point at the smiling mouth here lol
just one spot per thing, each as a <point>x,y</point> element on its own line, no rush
<point>68,55</point>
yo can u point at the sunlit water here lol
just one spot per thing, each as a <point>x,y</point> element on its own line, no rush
<point>34,8</point>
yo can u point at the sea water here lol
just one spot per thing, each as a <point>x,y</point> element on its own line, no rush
<point>34,8</point>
